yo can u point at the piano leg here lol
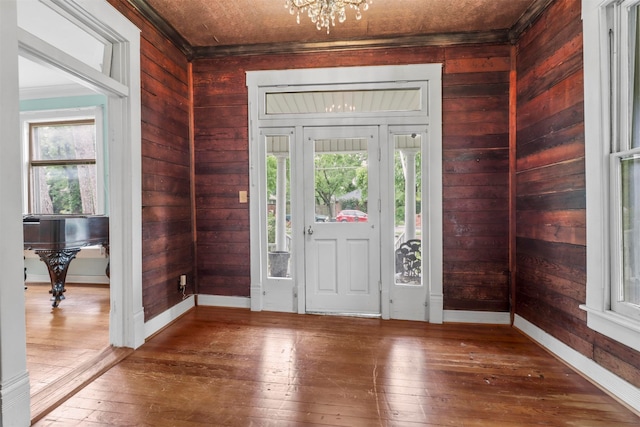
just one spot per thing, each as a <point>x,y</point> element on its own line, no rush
<point>58,264</point>
<point>107,270</point>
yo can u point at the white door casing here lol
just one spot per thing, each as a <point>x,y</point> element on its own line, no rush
<point>342,259</point>
<point>282,295</point>
<point>122,87</point>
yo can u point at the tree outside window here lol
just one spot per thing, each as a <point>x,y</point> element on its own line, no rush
<point>63,172</point>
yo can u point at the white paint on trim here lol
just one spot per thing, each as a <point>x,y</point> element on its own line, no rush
<point>603,378</point>
<point>224,301</point>
<point>168,316</point>
<point>486,317</point>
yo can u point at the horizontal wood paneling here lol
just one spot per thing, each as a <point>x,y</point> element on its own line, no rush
<point>550,206</point>
<point>167,229</point>
<point>550,186</point>
<point>475,130</point>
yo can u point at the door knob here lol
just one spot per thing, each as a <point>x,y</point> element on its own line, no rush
<point>310,231</point>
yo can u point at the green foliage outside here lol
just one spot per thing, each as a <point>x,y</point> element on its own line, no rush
<point>65,189</point>
<point>400,186</point>
<point>336,176</point>
<point>340,174</point>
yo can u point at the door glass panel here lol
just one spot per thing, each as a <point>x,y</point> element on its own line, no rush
<point>341,180</point>
<point>278,217</point>
<point>408,212</point>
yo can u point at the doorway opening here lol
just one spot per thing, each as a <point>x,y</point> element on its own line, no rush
<point>93,49</point>
<point>328,146</point>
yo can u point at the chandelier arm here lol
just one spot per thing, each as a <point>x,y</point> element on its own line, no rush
<point>323,12</point>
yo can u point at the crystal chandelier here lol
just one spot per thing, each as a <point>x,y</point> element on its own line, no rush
<point>323,13</point>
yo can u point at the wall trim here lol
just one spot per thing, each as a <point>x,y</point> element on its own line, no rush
<point>603,378</point>
<point>487,317</point>
<point>165,318</point>
<point>224,301</point>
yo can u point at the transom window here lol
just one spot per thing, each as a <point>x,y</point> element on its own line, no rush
<point>344,101</point>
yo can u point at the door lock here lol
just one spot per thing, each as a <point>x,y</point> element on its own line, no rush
<point>310,231</point>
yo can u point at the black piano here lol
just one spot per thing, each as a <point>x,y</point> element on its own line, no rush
<point>58,238</point>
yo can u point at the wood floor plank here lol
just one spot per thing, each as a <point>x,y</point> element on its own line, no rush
<point>234,367</point>
<point>67,346</point>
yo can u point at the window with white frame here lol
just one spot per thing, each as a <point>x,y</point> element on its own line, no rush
<point>64,162</point>
<point>612,158</point>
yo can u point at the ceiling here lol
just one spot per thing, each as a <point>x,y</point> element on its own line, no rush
<point>205,28</point>
<point>210,28</point>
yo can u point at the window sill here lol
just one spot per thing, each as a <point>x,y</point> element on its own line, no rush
<point>614,326</point>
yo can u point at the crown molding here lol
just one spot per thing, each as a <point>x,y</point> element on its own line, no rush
<point>344,45</point>
<point>162,26</point>
<point>527,19</point>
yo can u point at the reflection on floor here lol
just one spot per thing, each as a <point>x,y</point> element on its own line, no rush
<point>62,341</point>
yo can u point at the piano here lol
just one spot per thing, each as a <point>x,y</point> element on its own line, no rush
<point>58,238</point>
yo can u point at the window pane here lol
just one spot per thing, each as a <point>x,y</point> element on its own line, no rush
<point>63,141</point>
<point>64,189</point>
<point>43,22</point>
<point>408,218</point>
<point>278,204</point>
<point>341,179</point>
<point>635,83</point>
<point>344,102</point>
<point>631,230</point>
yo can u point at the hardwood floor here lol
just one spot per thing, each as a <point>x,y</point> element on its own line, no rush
<point>234,367</point>
<point>68,346</point>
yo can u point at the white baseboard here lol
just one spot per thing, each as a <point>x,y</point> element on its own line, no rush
<point>163,319</point>
<point>223,301</point>
<point>15,401</point>
<point>488,317</point>
<point>605,379</point>
<point>71,278</point>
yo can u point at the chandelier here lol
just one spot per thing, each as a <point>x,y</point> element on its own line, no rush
<point>323,13</point>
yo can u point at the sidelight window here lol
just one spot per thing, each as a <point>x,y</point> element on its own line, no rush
<point>278,220</point>
<point>408,216</point>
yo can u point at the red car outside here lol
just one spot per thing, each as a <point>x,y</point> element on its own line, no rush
<point>351,215</point>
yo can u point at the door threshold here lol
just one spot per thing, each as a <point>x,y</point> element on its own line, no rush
<point>331,313</point>
<point>50,397</point>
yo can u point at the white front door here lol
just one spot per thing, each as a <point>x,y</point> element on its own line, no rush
<point>342,219</point>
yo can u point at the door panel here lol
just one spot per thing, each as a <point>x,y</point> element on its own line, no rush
<point>327,276</point>
<point>342,251</point>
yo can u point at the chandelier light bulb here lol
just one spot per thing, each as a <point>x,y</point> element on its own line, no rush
<point>323,12</point>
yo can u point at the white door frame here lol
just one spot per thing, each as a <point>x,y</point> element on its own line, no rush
<point>127,316</point>
<point>122,87</point>
<point>426,76</point>
<point>345,234</point>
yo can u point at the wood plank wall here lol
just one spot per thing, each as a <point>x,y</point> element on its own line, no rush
<point>550,179</point>
<point>167,229</point>
<point>476,105</point>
